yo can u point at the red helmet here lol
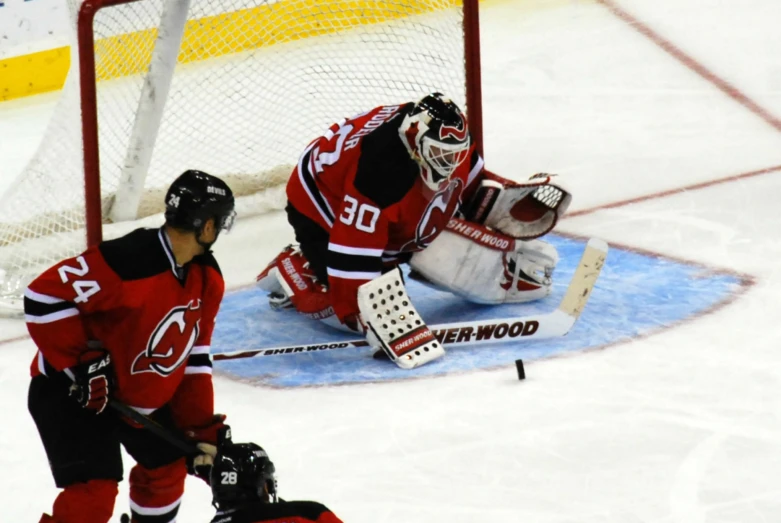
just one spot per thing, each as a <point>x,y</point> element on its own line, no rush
<point>436,135</point>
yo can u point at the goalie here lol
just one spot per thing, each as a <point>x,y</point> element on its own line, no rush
<point>405,184</point>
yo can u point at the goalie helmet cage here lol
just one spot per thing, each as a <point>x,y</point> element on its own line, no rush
<point>234,88</point>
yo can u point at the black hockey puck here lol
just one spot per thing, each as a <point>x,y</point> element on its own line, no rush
<point>521,372</point>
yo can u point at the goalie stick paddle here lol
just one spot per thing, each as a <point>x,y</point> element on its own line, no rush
<point>524,328</point>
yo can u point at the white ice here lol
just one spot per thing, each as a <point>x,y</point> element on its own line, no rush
<point>680,427</point>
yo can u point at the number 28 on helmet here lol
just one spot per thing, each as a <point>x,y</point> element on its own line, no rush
<point>436,135</point>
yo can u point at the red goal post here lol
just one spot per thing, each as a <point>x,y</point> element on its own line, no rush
<point>245,85</point>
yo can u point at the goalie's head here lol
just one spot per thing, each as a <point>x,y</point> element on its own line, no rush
<point>194,198</point>
<point>242,473</point>
<point>436,135</point>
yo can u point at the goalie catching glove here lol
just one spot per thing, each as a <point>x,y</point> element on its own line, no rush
<point>524,210</point>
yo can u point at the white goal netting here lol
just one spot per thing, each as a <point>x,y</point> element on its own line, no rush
<point>255,81</point>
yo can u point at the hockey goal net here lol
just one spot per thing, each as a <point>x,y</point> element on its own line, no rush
<point>236,88</point>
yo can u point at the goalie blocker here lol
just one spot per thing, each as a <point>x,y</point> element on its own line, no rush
<point>392,323</point>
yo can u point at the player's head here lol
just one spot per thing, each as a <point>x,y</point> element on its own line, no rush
<point>195,198</point>
<point>436,135</point>
<point>242,473</point>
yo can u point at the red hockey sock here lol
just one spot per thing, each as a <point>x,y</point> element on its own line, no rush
<point>90,502</point>
<point>155,494</point>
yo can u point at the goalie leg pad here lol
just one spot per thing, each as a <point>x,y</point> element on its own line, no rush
<point>393,325</point>
<point>485,266</point>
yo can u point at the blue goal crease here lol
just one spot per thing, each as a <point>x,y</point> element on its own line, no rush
<point>635,295</point>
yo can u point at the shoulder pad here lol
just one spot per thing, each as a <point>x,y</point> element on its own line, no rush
<point>136,255</point>
<point>386,172</point>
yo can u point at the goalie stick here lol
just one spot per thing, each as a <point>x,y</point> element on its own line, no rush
<point>524,328</point>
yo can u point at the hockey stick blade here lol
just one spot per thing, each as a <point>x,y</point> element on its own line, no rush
<point>525,328</point>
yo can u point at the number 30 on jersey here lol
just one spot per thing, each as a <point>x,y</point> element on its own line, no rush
<point>364,215</point>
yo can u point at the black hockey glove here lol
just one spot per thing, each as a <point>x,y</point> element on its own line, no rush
<point>93,381</point>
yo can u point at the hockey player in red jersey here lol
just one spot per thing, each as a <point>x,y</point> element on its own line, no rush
<point>130,319</point>
<point>394,183</point>
<point>244,490</point>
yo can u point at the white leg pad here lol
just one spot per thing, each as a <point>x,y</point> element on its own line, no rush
<point>393,324</point>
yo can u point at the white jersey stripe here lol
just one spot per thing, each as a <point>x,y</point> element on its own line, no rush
<point>165,241</point>
<point>54,316</point>
<point>301,178</point>
<point>41,298</point>
<point>153,511</point>
<point>359,251</point>
<point>200,349</point>
<point>41,365</point>
<point>475,170</point>
<point>202,369</point>
<point>358,275</point>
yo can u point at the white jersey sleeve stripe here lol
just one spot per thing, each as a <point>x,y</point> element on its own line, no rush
<point>200,349</point>
<point>310,186</point>
<point>198,370</point>
<point>42,298</point>
<point>349,275</point>
<point>358,251</point>
<point>50,318</point>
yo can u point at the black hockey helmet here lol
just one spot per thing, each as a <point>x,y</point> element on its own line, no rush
<point>196,196</point>
<point>242,472</point>
<point>436,135</point>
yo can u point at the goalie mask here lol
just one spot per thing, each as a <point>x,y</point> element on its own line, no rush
<point>436,135</point>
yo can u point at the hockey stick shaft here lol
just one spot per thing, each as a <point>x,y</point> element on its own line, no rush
<point>526,328</point>
<point>154,427</point>
<point>151,425</point>
<point>451,334</point>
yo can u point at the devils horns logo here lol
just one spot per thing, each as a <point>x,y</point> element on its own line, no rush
<point>457,131</point>
<point>171,342</point>
<point>436,215</point>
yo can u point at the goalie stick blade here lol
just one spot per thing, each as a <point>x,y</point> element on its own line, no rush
<point>480,332</point>
<point>561,321</point>
<point>526,328</point>
<point>585,277</point>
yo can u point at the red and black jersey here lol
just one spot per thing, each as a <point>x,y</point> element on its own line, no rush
<point>282,512</point>
<point>360,184</point>
<point>129,297</point>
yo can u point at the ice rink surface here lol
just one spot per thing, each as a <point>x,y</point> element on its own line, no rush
<point>631,101</point>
